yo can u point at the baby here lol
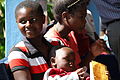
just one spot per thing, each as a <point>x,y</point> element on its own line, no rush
<point>62,61</point>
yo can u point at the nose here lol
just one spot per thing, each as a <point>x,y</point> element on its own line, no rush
<point>28,24</point>
<point>71,64</point>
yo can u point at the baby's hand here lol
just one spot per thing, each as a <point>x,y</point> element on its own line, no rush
<point>82,73</point>
<point>107,73</point>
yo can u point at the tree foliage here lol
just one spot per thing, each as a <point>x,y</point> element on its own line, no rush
<point>2,28</point>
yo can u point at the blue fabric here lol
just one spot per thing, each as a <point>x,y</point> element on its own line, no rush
<point>109,9</point>
<point>95,15</point>
<point>13,34</point>
<point>4,60</point>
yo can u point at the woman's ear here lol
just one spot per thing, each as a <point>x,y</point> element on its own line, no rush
<point>44,19</point>
<point>65,16</point>
<point>53,62</point>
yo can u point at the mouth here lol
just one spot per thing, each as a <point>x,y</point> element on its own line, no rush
<point>28,30</point>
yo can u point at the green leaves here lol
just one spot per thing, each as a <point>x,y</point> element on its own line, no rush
<point>2,28</point>
<point>49,11</point>
<point>2,1</point>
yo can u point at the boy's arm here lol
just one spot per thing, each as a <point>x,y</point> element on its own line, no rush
<point>22,75</point>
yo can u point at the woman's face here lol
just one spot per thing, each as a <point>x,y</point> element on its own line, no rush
<point>29,22</point>
<point>77,20</point>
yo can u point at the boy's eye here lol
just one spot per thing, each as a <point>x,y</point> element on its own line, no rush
<point>23,22</point>
<point>32,20</point>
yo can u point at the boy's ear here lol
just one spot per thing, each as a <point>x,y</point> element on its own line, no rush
<point>53,63</point>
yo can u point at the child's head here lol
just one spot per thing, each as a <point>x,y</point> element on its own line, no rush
<point>71,13</point>
<point>30,18</point>
<point>62,57</point>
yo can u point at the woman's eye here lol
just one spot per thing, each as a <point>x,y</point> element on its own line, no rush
<point>82,17</point>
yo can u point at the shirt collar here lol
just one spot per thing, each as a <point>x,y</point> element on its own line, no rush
<point>33,52</point>
<point>29,46</point>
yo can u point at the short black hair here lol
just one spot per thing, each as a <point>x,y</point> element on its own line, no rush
<point>35,5</point>
<point>67,5</point>
<point>53,50</point>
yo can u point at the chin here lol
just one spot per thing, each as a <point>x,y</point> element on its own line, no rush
<point>70,70</point>
<point>79,30</point>
<point>30,36</point>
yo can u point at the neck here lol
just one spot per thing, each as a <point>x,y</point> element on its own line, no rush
<point>36,40</point>
<point>40,45</point>
<point>62,30</point>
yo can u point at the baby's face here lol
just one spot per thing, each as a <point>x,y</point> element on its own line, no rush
<point>65,59</point>
<point>29,22</point>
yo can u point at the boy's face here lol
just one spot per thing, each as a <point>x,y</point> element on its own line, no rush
<point>29,22</point>
<point>65,59</point>
<point>77,20</point>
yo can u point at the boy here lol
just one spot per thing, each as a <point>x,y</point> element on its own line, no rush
<point>28,58</point>
<point>63,65</point>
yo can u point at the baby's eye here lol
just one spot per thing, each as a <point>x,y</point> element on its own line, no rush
<point>22,21</point>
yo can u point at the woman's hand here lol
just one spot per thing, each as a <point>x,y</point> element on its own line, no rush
<point>98,47</point>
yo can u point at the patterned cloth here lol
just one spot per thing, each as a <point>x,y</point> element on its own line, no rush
<point>59,74</point>
<point>109,9</point>
<point>34,61</point>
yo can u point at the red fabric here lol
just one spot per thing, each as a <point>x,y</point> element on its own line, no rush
<point>78,42</point>
<point>39,68</point>
<point>18,62</point>
<point>55,71</point>
<point>104,53</point>
<point>88,78</point>
<point>24,49</point>
<point>60,72</point>
<point>55,43</point>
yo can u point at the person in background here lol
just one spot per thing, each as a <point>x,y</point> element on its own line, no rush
<point>109,11</point>
<point>63,65</point>
<point>90,27</point>
<point>28,59</point>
